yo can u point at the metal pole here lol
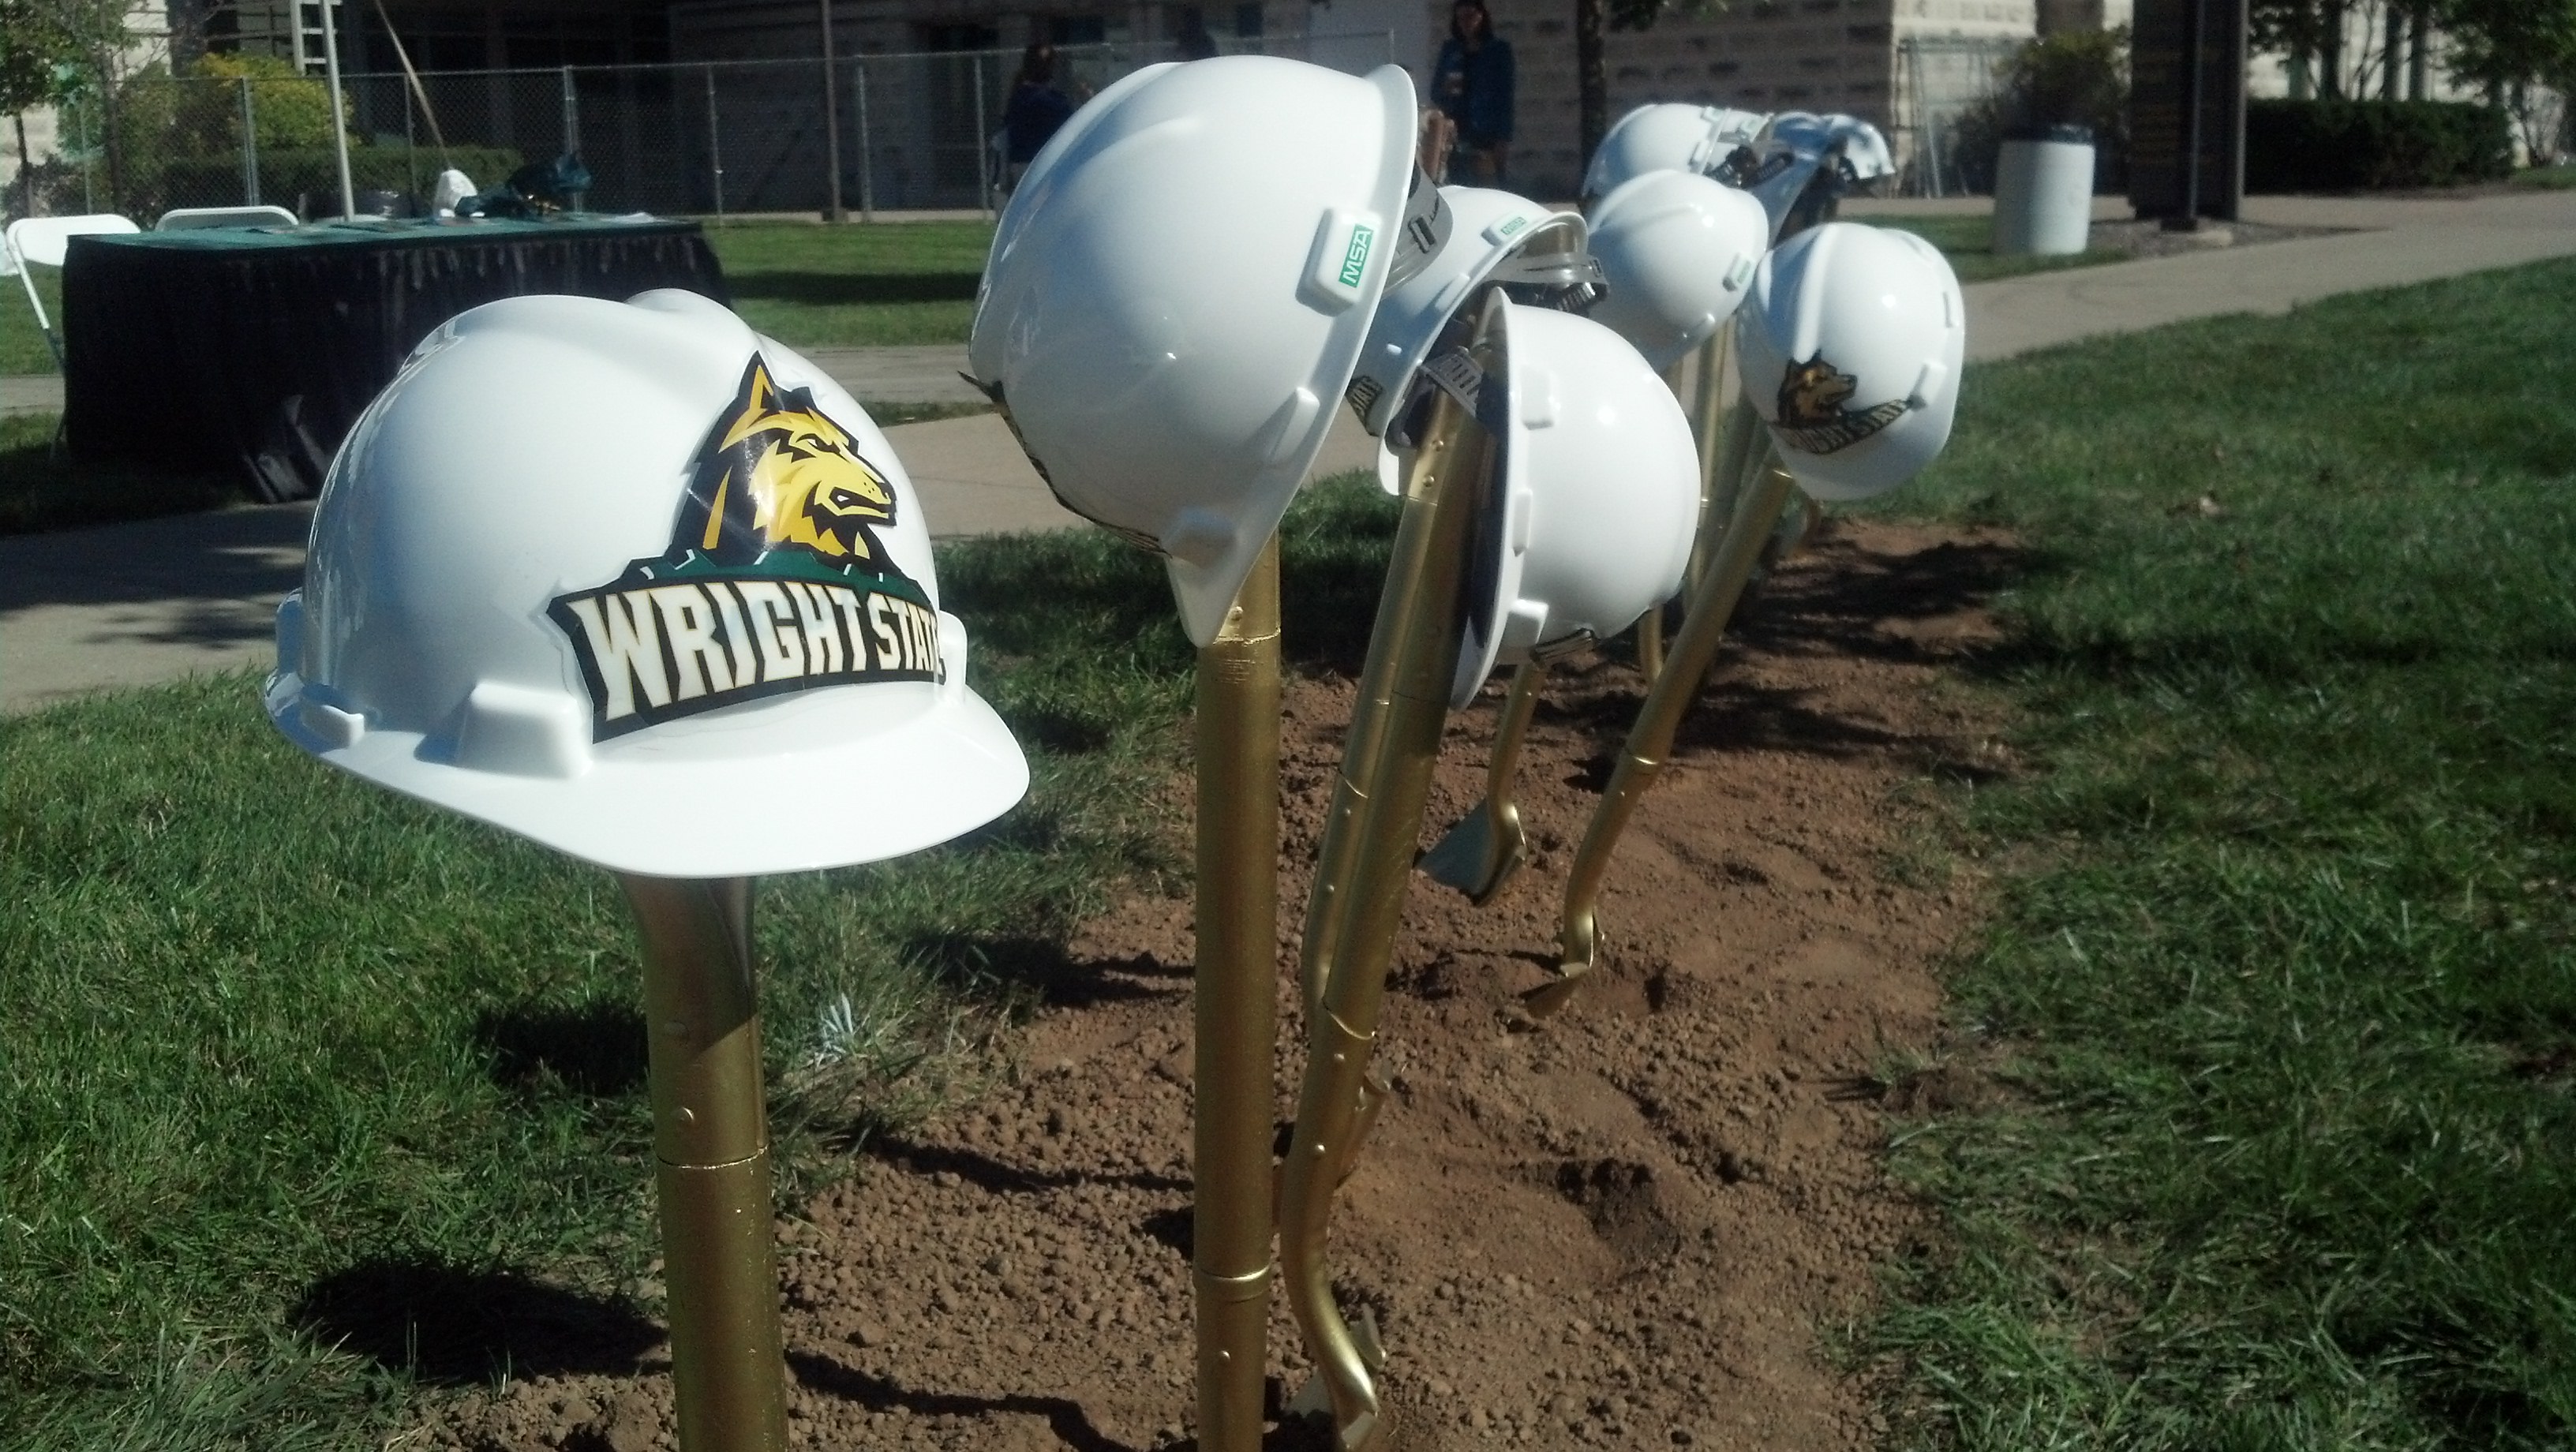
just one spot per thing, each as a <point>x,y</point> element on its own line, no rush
<point>833,211</point>
<point>983,149</point>
<point>867,166</point>
<point>1724,434</point>
<point>715,146</point>
<point>2190,219</point>
<point>411,148</point>
<point>339,105</point>
<point>1377,805</point>
<point>1480,855</point>
<point>572,130</point>
<point>711,1171</point>
<point>250,147</point>
<point>1650,740</point>
<point>1237,1031</point>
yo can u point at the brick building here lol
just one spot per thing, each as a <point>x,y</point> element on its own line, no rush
<point>1891,62</point>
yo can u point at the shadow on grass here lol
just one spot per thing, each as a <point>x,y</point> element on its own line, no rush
<point>595,1050</point>
<point>454,1327</point>
<point>41,489</point>
<point>832,289</point>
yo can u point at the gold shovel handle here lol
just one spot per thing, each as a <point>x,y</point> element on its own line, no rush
<point>1650,740</point>
<point>1368,845</point>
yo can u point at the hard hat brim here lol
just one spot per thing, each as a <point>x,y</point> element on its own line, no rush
<point>832,784</point>
<point>1205,592</point>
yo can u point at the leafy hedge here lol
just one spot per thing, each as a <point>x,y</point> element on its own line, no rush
<point>2335,146</point>
<point>283,175</point>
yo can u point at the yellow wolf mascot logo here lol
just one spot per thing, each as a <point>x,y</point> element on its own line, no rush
<point>1813,393</point>
<point>775,474</point>
<point>1814,412</point>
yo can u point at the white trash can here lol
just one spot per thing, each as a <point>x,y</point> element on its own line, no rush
<point>2044,192</point>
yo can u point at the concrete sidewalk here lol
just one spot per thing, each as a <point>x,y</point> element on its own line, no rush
<point>129,604</point>
<point>2411,240</point>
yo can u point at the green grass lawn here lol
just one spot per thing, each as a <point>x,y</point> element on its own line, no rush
<point>812,286</point>
<point>293,1063</point>
<point>2547,178</point>
<point>22,343</point>
<point>2279,1002</point>
<point>1969,243</point>
<point>807,286</point>
<point>855,286</point>
<point>41,490</point>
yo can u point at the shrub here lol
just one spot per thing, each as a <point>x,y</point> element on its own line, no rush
<point>2332,146</point>
<point>2072,78</point>
<point>288,108</point>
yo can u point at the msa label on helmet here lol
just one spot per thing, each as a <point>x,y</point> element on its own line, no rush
<point>1355,257</point>
<point>775,580</point>
<point>1337,263</point>
<point>1812,417</point>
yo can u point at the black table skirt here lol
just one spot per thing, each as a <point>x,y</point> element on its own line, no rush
<point>261,355</point>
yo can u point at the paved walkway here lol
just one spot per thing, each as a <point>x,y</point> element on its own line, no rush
<point>86,609</point>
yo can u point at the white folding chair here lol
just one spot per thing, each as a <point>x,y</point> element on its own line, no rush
<point>183,218</point>
<point>40,242</point>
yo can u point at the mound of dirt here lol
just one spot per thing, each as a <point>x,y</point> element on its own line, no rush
<point>1633,1224</point>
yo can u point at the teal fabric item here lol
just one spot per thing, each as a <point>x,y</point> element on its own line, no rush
<point>383,232</point>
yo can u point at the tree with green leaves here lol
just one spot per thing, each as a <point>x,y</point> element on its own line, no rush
<point>2510,46</point>
<point>33,48</point>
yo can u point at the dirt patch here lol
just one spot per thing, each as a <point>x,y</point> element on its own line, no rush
<point>1635,1224</point>
<point>2150,239</point>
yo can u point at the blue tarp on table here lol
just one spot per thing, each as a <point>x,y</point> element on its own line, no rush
<point>257,349</point>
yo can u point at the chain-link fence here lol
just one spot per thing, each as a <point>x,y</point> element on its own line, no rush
<point>915,132</point>
<point>1939,78</point>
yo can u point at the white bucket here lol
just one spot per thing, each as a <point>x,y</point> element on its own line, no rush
<point>2044,194</point>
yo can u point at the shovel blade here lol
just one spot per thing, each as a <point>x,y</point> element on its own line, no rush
<point>1479,855</point>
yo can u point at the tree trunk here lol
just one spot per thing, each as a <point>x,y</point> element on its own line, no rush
<point>1591,77</point>
<point>187,35</point>
<point>26,171</point>
<point>2419,61</point>
<point>111,133</point>
<point>2330,54</point>
<point>2392,46</point>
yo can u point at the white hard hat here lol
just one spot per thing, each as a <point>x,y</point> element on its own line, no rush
<point>1667,136</point>
<point>1864,149</point>
<point>1493,237</point>
<point>631,581</point>
<point>1676,251</point>
<point>1800,149</point>
<point>1595,495</point>
<point>1180,289</point>
<point>1850,345</point>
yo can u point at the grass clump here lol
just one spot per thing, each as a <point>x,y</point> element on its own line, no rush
<point>42,489</point>
<point>2287,1015</point>
<point>318,1097</point>
<point>22,343</point>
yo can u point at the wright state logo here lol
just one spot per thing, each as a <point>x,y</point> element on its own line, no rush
<point>775,581</point>
<point>1812,410</point>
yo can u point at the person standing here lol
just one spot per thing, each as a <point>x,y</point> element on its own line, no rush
<point>1472,83</point>
<point>1037,109</point>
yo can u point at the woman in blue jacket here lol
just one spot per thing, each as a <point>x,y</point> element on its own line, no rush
<point>1472,83</point>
